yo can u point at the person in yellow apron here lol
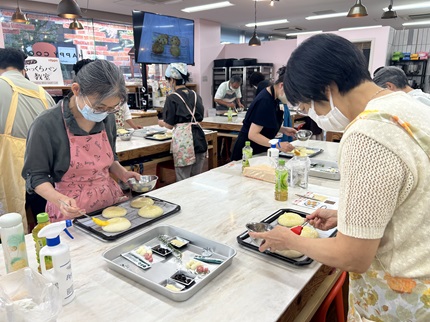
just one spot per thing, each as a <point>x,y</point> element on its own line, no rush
<point>21,102</point>
<point>382,217</point>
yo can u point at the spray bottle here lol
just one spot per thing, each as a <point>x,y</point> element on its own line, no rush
<point>61,273</point>
<point>273,152</point>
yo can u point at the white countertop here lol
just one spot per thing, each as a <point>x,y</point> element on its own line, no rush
<point>216,204</point>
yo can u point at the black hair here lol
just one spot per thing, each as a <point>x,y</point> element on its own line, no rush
<point>391,74</point>
<point>281,74</point>
<point>377,70</point>
<point>320,61</point>
<point>236,79</point>
<point>183,81</point>
<point>12,57</point>
<point>255,78</point>
<point>81,63</point>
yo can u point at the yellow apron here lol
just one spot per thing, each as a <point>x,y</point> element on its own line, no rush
<point>12,150</point>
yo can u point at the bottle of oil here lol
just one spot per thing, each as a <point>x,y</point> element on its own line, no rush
<point>39,242</point>
<point>281,182</point>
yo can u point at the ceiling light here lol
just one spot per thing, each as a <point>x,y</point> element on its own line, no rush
<point>272,2</point>
<point>330,15</point>
<point>208,6</point>
<point>390,14</point>
<point>358,28</point>
<point>255,41</point>
<point>357,10</point>
<point>422,22</point>
<point>421,5</point>
<point>267,23</point>
<point>76,25</point>
<point>304,33</point>
<point>18,16</point>
<point>69,9</point>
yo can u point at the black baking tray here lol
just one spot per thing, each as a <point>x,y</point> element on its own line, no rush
<point>137,222</point>
<point>245,240</point>
<point>291,154</point>
<point>151,137</point>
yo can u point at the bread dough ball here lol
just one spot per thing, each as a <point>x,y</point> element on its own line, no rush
<point>114,211</point>
<point>151,211</point>
<point>159,136</point>
<point>141,202</point>
<point>309,232</point>
<point>290,219</point>
<point>116,225</point>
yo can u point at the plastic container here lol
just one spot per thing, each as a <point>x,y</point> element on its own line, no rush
<point>13,242</point>
<point>273,152</point>
<point>281,182</point>
<point>298,168</point>
<point>246,154</point>
<point>61,271</point>
<point>39,243</point>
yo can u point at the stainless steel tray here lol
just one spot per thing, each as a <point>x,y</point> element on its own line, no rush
<point>291,154</point>
<point>163,268</point>
<point>324,169</point>
<point>137,222</point>
<point>245,240</point>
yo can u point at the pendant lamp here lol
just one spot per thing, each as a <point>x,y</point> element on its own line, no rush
<point>18,16</point>
<point>69,9</point>
<point>390,14</point>
<point>255,41</point>
<point>76,25</point>
<point>357,10</point>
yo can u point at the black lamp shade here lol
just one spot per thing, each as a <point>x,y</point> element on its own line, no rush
<point>357,10</point>
<point>18,16</point>
<point>69,9</point>
<point>254,41</point>
<point>76,25</point>
<point>390,14</point>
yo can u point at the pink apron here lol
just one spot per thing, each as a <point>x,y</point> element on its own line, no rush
<point>87,180</point>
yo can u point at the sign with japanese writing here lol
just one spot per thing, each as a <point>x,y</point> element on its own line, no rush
<point>44,70</point>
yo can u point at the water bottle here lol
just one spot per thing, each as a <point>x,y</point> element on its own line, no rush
<point>13,242</point>
<point>299,171</point>
<point>246,154</point>
<point>281,182</point>
<point>229,115</point>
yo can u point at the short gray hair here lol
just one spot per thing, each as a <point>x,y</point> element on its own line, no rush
<point>393,75</point>
<point>102,79</point>
<point>236,79</point>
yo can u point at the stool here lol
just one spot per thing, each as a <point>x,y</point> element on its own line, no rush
<point>166,165</point>
<point>336,295</point>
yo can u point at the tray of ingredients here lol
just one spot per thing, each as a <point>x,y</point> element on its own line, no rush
<point>324,169</point>
<point>301,151</point>
<point>126,217</point>
<point>171,261</point>
<point>159,136</point>
<point>288,218</point>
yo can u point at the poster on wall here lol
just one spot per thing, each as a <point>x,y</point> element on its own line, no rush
<point>67,55</point>
<point>44,70</point>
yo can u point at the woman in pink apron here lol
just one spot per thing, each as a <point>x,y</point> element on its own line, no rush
<point>70,154</point>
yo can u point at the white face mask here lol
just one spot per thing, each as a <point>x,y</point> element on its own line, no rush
<point>332,121</point>
<point>88,114</point>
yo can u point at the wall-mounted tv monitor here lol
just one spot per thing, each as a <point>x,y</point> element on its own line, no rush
<point>160,39</point>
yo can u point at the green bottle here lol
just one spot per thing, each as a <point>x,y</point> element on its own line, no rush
<point>281,182</point>
<point>246,154</point>
<point>229,115</point>
<point>39,242</point>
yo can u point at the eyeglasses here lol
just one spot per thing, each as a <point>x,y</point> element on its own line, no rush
<point>101,110</point>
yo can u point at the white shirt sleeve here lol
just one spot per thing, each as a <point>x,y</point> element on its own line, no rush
<point>127,113</point>
<point>220,93</point>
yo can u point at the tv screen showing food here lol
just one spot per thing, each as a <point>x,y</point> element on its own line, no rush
<point>160,39</point>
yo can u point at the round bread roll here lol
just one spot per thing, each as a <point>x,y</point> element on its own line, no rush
<point>308,232</point>
<point>159,136</point>
<point>116,225</point>
<point>290,219</point>
<point>151,211</point>
<point>114,211</point>
<point>141,202</point>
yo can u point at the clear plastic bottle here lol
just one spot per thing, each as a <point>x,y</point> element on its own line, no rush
<point>229,115</point>
<point>273,152</point>
<point>281,182</point>
<point>13,242</point>
<point>39,242</point>
<point>246,154</point>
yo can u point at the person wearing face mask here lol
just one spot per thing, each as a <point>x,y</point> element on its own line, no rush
<point>228,95</point>
<point>384,160</point>
<point>263,121</point>
<point>70,151</point>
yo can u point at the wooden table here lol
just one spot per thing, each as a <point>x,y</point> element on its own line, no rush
<point>216,204</point>
<point>221,123</point>
<point>139,147</point>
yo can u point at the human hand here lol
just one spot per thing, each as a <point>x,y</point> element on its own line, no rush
<point>323,219</point>
<point>69,208</point>
<point>285,147</point>
<point>279,238</point>
<point>129,175</point>
<point>289,131</point>
<point>160,123</point>
<point>231,105</point>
